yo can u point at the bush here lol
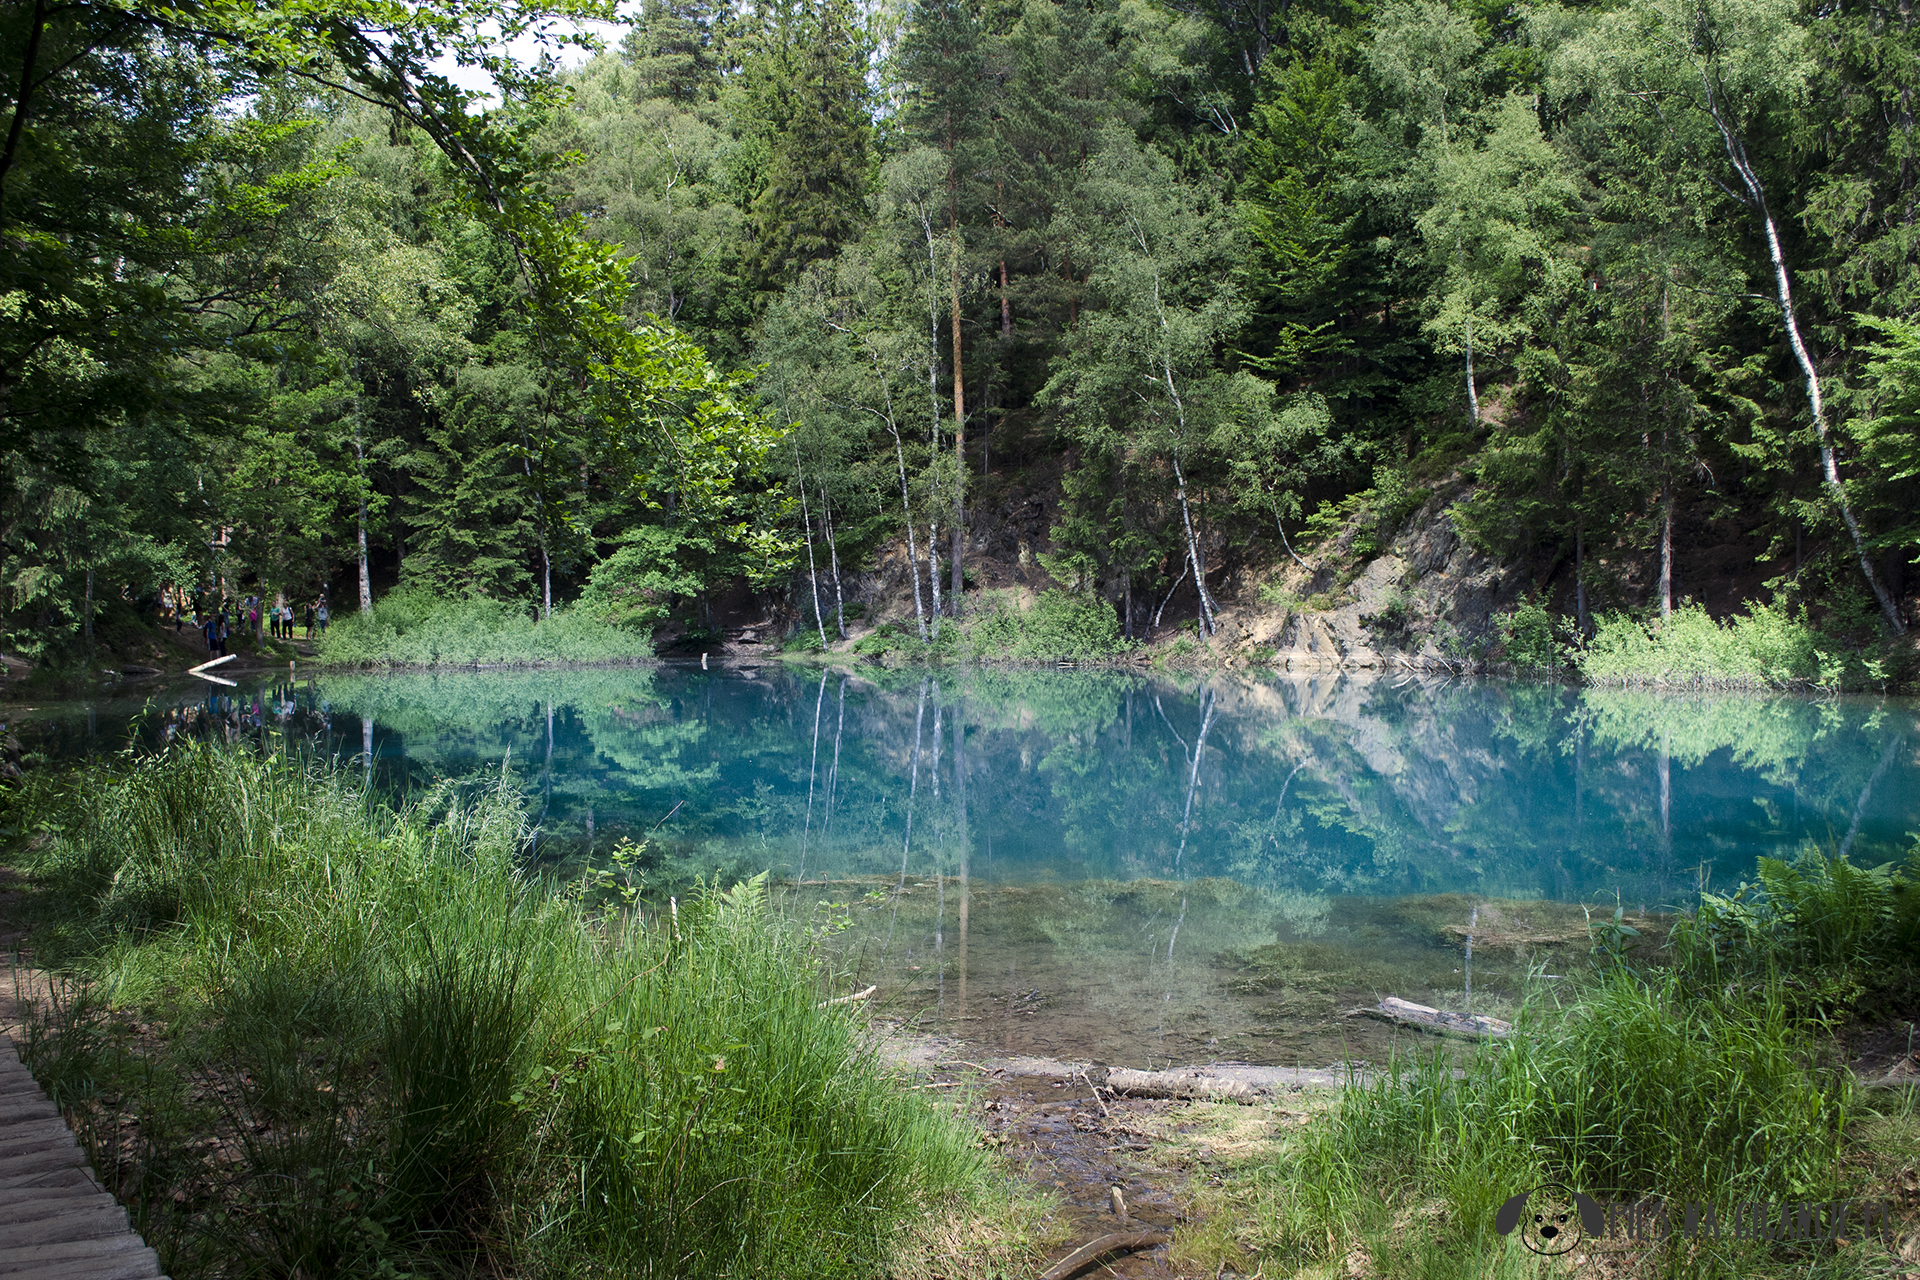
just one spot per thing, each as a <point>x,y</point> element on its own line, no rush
<point>429,1063</point>
<point>1819,924</point>
<point>1058,625</point>
<point>413,627</point>
<point>1767,648</point>
<point>1376,514</point>
<point>1528,637</point>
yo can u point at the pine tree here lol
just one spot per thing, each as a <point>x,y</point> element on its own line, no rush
<point>811,100</point>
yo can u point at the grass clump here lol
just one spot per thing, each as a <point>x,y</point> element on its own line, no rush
<point>408,1057</point>
<point>414,627</point>
<point>1634,1088</point>
<point>1766,648</point>
<point>1704,1073</point>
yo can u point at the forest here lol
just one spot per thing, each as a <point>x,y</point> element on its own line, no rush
<point>754,296</point>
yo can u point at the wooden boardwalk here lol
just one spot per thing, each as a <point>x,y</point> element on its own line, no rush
<point>56,1223</point>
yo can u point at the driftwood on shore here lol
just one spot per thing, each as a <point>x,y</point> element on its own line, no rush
<point>1176,1084</point>
<point>1405,1013</point>
<point>1116,1242</point>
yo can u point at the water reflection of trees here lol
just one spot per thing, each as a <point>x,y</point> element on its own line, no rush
<point>1296,786</point>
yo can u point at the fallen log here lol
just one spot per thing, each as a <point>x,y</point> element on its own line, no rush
<point>1177,1084</point>
<point>1093,1250</point>
<point>1405,1013</point>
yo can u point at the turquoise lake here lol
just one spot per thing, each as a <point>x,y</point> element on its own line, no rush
<point>1126,867</point>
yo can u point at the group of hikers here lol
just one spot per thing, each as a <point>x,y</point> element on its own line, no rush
<point>217,623</point>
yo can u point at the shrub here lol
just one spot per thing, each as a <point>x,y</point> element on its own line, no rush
<point>1376,513</point>
<point>1060,624</point>
<point>1820,924</point>
<point>413,627</point>
<point>1527,636</point>
<point>1768,647</point>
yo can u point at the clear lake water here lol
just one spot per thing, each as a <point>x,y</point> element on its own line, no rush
<point>1134,869</point>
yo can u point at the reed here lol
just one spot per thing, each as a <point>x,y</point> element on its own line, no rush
<point>411,1057</point>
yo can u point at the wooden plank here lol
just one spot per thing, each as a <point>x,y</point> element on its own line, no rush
<point>71,1174</point>
<point>24,1209</point>
<point>78,1224</point>
<point>40,1159</point>
<point>27,1107</point>
<point>138,1264</point>
<point>23,1136</point>
<point>56,1222</point>
<point>60,1255</point>
<point>19,1197</point>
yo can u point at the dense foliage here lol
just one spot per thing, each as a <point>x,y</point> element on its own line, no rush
<point>283,309</point>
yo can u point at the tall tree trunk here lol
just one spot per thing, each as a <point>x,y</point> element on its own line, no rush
<point>913,551</point>
<point>933,574</point>
<point>1180,479</point>
<point>89,622</point>
<point>1830,471</point>
<point>23,96</point>
<point>546,575</point>
<point>833,553</point>
<point>813,572</point>
<point>360,456</point>
<point>1665,588</point>
<point>959,422</point>
<point>1580,577</point>
<point>1193,550</point>
<point>1473,395</point>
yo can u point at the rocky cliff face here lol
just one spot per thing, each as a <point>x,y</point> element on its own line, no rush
<point>1429,600</point>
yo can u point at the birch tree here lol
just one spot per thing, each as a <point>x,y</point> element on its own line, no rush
<point>1700,77</point>
<point>1139,379</point>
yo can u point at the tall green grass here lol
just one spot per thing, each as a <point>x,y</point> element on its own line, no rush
<point>1636,1087</point>
<point>1765,648</point>
<point>413,627</point>
<point>417,1060</point>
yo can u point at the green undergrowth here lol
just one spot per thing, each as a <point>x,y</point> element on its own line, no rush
<point>1703,1071</point>
<point>1057,626</point>
<point>413,627</point>
<point>311,1036</point>
<point>1765,648</point>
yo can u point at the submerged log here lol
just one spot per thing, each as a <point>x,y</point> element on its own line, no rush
<point>1405,1013</point>
<point>1116,1242</point>
<point>1178,1084</point>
